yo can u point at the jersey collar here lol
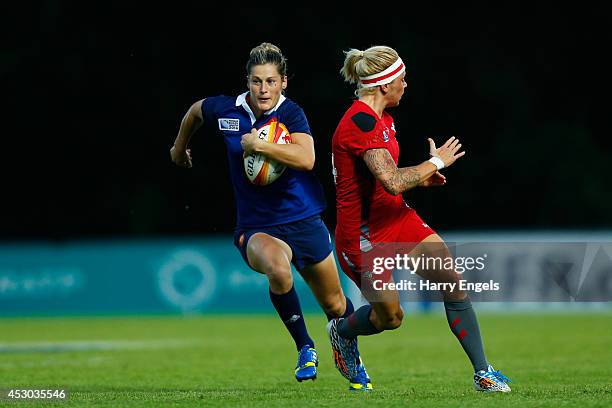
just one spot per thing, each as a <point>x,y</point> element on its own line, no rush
<point>241,101</point>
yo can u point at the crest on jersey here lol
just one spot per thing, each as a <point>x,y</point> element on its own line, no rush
<point>229,124</point>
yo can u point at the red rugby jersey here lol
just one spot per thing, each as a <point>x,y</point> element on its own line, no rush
<point>365,211</point>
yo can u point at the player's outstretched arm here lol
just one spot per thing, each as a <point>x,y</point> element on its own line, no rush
<point>299,154</point>
<point>397,180</point>
<point>393,179</point>
<point>191,122</point>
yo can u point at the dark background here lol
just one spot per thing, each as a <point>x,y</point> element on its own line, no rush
<point>93,97</point>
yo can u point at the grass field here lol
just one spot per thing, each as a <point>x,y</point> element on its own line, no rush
<point>554,360</point>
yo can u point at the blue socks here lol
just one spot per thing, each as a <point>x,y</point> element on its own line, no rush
<point>288,308</point>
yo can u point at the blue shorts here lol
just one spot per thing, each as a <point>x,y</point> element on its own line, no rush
<point>308,239</point>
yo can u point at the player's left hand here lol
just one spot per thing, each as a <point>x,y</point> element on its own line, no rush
<point>181,157</point>
<point>249,141</point>
<point>437,179</point>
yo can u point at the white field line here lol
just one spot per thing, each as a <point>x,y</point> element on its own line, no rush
<point>93,345</point>
<point>54,360</point>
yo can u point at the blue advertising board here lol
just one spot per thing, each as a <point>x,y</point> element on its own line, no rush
<point>153,276</point>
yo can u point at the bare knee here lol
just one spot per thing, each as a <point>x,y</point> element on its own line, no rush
<point>279,276</point>
<point>335,306</point>
<point>267,255</point>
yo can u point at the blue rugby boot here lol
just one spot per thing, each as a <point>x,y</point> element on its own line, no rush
<point>361,382</point>
<point>306,367</point>
<point>347,359</point>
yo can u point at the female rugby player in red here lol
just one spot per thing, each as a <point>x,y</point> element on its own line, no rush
<point>371,212</point>
<point>278,224</point>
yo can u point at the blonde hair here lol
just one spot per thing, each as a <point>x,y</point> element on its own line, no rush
<point>359,63</point>
<point>266,53</point>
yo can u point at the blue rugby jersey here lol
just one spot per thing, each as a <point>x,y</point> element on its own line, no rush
<point>295,195</point>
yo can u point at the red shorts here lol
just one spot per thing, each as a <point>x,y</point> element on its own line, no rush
<point>359,265</point>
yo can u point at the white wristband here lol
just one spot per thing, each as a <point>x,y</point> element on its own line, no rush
<point>437,162</point>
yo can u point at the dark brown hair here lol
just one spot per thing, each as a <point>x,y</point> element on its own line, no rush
<point>267,53</point>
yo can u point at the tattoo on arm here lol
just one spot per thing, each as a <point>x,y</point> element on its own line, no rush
<point>408,177</point>
<point>380,162</point>
<point>394,180</point>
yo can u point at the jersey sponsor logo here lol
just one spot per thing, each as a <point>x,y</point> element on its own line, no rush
<point>229,124</point>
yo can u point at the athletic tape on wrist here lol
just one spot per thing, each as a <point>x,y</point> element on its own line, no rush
<point>437,162</point>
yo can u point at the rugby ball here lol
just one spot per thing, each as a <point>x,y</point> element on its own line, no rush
<point>258,168</point>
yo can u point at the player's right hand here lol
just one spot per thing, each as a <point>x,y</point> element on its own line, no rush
<point>181,157</point>
<point>448,152</point>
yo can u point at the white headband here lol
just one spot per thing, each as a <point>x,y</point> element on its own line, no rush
<point>388,75</point>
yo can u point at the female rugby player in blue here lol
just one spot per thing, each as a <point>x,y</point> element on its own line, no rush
<point>278,224</point>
